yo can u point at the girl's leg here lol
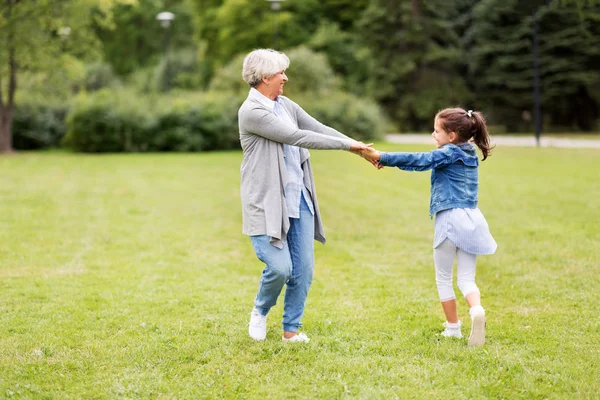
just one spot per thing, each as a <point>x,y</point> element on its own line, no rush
<point>443,257</point>
<point>466,277</point>
<point>466,283</point>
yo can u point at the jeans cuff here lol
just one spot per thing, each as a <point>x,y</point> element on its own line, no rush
<point>262,311</point>
<point>290,328</point>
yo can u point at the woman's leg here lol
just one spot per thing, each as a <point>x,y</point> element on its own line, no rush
<point>278,268</point>
<point>443,257</point>
<point>302,251</point>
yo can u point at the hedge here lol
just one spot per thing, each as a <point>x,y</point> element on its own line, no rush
<point>38,126</point>
<point>124,121</point>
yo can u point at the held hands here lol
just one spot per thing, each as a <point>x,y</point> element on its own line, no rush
<point>367,152</point>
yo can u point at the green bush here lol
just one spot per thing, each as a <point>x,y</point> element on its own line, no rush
<point>99,76</point>
<point>109,121</point>
<point>127,122</point>
<point>360,119</point>
<point>38,125</point>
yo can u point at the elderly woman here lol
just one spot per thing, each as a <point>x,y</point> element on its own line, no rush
<point>279,204</point>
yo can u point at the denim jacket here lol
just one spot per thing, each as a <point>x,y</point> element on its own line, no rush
<point>454,180</point>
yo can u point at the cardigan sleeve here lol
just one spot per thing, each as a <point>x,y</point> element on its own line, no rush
<point>306,121</point>
<point>262,122</point>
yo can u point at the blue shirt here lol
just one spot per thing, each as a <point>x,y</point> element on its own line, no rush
<point>454,178</point>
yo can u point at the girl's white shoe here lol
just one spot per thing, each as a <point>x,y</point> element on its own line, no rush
<point>452,330</point>
<point>477,336</point>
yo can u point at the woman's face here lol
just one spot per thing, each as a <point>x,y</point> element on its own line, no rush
<point>276,82</point>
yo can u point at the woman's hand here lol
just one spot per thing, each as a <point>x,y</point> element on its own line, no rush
<point>358,147</point>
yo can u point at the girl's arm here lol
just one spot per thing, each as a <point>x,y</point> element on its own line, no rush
<point>418,161</point>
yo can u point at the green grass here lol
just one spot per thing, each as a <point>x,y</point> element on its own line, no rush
<point>127,276</point>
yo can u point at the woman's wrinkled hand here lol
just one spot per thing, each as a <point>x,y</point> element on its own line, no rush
<point>358,147</point>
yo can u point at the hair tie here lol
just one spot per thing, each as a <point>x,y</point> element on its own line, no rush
<point>470,113</point>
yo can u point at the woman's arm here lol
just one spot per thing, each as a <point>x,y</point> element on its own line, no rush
<point>306,121</point>
<point>262,122</point>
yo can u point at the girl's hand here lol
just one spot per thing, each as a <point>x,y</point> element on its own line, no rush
<point>373,156</point>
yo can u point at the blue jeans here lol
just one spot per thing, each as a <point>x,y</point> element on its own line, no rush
<point>292,265</point>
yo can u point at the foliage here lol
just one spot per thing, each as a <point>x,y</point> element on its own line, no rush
<point>138,34</point>
<point>128,277</point>
<point>500,65</point>
<point>44,36</point>
<point>358,118</point>
<point>109,121</point>
<point>39,125</point>
<point>125,122</point>
<point>308,73</point>
<point>349,59</point>
<point>416,50</point>
<point>99,76</point>
<point>181,70</point>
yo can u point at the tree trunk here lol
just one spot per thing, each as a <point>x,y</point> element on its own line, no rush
<point>6,108</point>
<point>6,114</point>
<point>416,8</point>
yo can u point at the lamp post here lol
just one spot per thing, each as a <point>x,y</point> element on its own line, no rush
<point>537,98</point>
<point>165,19</point>
<point>64,34</point>
<point>275,6</point>
<point>537,108</point>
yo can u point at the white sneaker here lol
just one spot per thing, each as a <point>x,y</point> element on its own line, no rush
<point>257,329</point>
<point>452,330</point>
<point>477,336</point>
<point>301,338</point>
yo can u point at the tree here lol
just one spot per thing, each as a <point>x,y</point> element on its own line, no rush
<point>416,53</point>
<point>137,33</point>
<point>34,36</point>
<point>498,53</point>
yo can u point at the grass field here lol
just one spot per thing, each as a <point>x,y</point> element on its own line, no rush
<point>127,276</point>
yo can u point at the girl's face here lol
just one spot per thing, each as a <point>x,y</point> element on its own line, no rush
<point>440,136</point>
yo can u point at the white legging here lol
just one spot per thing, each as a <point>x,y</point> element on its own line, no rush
<point>443,257</point>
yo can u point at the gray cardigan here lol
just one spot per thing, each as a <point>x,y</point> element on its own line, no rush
<point>263,171</point>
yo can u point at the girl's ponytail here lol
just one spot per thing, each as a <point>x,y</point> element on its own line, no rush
<point>467,125</point>
<point>480,134</point>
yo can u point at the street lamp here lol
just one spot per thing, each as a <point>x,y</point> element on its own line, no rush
<point>165,19</point>
<point>537,98</point>
<point>275,6</point>
<point>64,32</point>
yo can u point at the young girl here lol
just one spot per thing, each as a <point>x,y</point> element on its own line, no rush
<point>461,231</point>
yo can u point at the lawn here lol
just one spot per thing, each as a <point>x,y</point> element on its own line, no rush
<point>127,276</point>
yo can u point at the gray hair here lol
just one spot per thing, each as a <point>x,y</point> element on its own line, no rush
<point>263,63</point>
